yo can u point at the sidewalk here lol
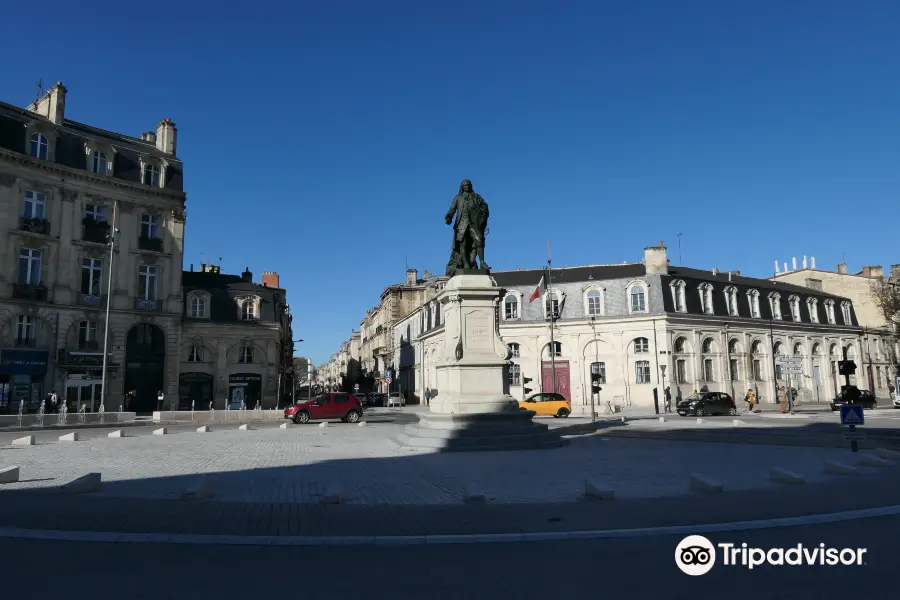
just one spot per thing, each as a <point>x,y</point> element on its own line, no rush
<point>56,511</point>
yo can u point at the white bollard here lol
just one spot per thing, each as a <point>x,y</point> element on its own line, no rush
<point>323,424</point>
<point>474,495</point>
<point>737,423</point>
<point>700,421</point>
<point>333,494</point>
<point>84,484</point>
<point>244,427</point>
<point>361,424</point>
<point>704,485</point>
<point>595,491</point>
<point>160,431</point>
<point>780,475</point>
<point>200,490</point>
<point>871,460</point>
<point>118,433</point>
<point>69,437</point>
<point>9,475</point>
<point>662,419</point>
<point>283,426</point>
<point>203,429</point>
<point>28,440</point>
<point>834,467</point>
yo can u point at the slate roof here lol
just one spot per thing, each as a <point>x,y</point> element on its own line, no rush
<point>531,277</point>
<point>223,290</point>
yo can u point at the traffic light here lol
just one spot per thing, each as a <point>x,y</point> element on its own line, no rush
<point>595,377</point>
<point>847,367</point>
<point>525,380</point>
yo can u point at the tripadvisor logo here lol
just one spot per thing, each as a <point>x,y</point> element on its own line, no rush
<point>696,555</point>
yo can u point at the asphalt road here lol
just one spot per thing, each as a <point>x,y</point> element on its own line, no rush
<point>612,568</point>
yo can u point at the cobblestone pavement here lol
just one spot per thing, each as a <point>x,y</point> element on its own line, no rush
<point>301,463</point>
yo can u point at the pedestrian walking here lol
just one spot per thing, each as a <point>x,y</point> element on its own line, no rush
<point>790,400</point>
<point>54,401</point>
<point>668,396</point>
<point>782,399</point>
<point>750,399</point>
<point>160,397</point>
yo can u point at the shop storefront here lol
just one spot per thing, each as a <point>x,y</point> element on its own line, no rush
<point>244,388</point>
<point>21,379</point>
<point>195,391</point>
<point>84,379</point>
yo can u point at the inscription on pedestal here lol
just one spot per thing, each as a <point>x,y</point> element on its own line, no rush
<point>478,331</point>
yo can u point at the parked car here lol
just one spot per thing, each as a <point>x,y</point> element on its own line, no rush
<point>706,403</point>
<point>396,399</point>
<point>345,407</point>
<point>548,404</point>
<point>866,399</point>
<point>896,402</point>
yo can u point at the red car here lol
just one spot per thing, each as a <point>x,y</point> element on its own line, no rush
<point>345,407</point>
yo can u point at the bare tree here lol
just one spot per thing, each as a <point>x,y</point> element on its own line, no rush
<point>886,294</point>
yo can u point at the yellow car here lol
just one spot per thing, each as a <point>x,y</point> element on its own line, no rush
<point>548,404</point>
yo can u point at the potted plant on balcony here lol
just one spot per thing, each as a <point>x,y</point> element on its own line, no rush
<point>95,231</point>
<point>36,225</point>
<point>147,243</point>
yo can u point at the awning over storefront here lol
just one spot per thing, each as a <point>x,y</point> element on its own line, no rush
<point>23,362</point>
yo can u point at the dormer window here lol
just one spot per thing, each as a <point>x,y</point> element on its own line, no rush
<point>98,163</point>
<point>38,146</point>
<point>198,307</point>
<point>593,302</point>
<point>753,299</point>
<point>706,299</point>
<point>552,303</point>
<point>845,313</point>
<point>829,311</point>
<point>637,297</point>
<point>795,307</point>
<point>812,305</point>
<point>775,305</point>
<point>248,310</point>
<point>678,296</point>
<point>511,306</point>
<point>731,306</point>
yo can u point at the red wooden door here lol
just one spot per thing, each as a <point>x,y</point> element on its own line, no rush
<point>562,377</point>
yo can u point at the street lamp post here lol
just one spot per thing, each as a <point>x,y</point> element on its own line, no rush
<point>112,249</point>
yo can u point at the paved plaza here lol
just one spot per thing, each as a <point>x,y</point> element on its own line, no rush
<point>301,464</point>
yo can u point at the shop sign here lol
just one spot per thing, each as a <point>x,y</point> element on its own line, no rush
<point>23,362</point>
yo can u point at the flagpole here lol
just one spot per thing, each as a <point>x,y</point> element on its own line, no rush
<point>552,318</point>
<point>112,247</point>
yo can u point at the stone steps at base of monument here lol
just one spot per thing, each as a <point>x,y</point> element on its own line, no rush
<point>537,441</point>
<point>416,430</point>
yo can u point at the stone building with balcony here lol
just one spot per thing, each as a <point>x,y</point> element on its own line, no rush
<point>236,344</point>
<point>61,182</point>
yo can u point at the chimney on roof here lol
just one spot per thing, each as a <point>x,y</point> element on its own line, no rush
<point>812,262</point>
<point>412,276</point>
<point>842,268</point>
<point>785,268</point>
<point>192,267</point>
<point>715,271</point>
<point>149,137</point>
<point>166,137</point>
<point>52,105</point>
<point>794,264</point>
<point>873,272</point>
<point>735,272</point>
<point>247,275</point>
<point>270,279</point>
<point>426,274</point>
<point>656,260</point>
<point>777,271</point>
<point>804,262</point>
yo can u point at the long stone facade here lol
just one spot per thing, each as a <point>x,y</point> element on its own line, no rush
<point>647,326</point>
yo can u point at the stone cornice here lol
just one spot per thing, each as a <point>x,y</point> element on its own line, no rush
<point>71,173</point>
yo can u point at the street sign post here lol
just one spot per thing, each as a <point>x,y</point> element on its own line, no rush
<point>854,436</point>
<point>388,380</point>
<point>852,415</point>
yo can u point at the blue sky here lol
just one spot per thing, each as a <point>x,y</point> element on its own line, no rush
<point>324,141</point>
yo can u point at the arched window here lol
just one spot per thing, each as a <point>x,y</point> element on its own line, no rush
<point>641,345</point>
<point>706,299</point>
<point>198,307</point>
<point>833,351</point>
<point>779,349</point>
<point>753,299</point>
<point>38,146</point>
<point>678,296</point>
<point>594,302</point>
<point>196,354</point>
<point>679,345</point>
<point>248,310</point>
<point>756,348</point>
<point>511,307</point>
<point>798,349</point>
<point>816,349</point>
<point>557,349</point>
<point>246,355</point>
<point>637,297</point>
<point>709,346</point>
<point>845,313</point>
<point>514,350</point>
<point>829,311</point>
<point>775,305</point>
<point>734,346</point>
<point>552,304</point>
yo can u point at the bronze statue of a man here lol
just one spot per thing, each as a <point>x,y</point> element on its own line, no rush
<point>471,212</point>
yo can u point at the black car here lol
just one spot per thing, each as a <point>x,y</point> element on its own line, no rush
<point>706,403</point>
<point>866,399</point>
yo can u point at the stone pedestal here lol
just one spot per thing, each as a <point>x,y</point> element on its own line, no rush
<point>472,409</point>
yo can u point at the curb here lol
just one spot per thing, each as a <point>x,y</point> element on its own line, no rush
<point>412,540</point>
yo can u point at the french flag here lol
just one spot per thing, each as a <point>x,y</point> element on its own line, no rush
<point>537,291</point>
